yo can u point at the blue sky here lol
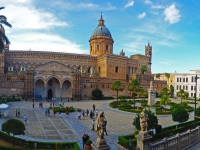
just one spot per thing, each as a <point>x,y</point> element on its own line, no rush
<point>171,26</point>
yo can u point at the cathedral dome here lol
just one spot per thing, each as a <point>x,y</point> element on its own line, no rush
<point>101,29</point>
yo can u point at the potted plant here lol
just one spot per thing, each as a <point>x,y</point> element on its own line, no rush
<point>88,145</point>
<point>67,112</point>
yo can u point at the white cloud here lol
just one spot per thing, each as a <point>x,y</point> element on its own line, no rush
<point>31,28</point>
<point>172,14</point>
<point>142,15</point>
<point>129,4</point>
<point>37,41</point>
<point>82,6</point>
<point>147,2</point>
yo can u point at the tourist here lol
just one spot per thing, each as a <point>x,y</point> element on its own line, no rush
<point>93,123</point>
<point>18,112</point>
<point>60,103</point>
<point>83,114</point>
<point>46,112</point>
<point>54,112</point>
<point>60,112</point>
<point>87,112</point>
<point>93,107</point>
<point>25,119</point>
<point>84,138</point>
<point>66,108</point>
<point>79,115</point>
<point>33,104</point>
<point>96,113</point>
<point>68,99</point>
<point>91,115</point>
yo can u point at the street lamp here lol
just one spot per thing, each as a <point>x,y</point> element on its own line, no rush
<point>195,103</point>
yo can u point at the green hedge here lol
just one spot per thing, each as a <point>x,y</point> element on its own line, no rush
<point>40,145</point>
<point>124,140</point>
<point>63,110</point>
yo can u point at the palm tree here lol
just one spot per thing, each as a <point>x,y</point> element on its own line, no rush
<point>135,88</point>
<point>158,75</point>
<point>117,86</point>
<point>182,94</point>
<point>168,76</point>
<point>165,100</point>
<point>3,37</point>
<point>143,69</point>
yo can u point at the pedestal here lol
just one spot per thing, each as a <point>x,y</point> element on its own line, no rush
<point>143,140</point>
<point>100,144</point>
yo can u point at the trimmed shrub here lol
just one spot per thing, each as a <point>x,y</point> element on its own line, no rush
<point>124,140</point>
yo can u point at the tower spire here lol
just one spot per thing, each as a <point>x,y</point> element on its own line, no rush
<point>101,21</point>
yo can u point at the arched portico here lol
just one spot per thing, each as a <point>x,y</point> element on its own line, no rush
<point>39,89</point>
<point>66,89</point>
<point>53,88</point>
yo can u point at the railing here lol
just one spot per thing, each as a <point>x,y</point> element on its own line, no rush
<point>179,141</point>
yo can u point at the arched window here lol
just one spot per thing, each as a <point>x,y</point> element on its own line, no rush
<point>98,47</point>
<point>10,68</point>
<point>177,79</point>
<point>22,68</point>
<point>106,47</point>
<point>116,69</point>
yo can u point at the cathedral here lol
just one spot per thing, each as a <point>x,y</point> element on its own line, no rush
<point>42,74</point>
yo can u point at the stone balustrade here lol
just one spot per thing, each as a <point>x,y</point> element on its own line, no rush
<point>179,141</point>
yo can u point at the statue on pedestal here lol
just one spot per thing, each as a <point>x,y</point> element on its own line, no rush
<point>143,121</point>
<point>101,125</point>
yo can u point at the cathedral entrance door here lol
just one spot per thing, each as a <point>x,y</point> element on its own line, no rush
<point>50,94</point>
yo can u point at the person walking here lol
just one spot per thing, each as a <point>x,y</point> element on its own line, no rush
<point>90,114</point>
<point>46,112</point>
<point>25,119</point>
<point>93,124</point>
<point>18,112</point>
<point>96,113</point>
<point>83,114</point>
<point>93,107</point>
<point>84,139</point>
<point>79,115</point>
<point>33,104</point>
<point>87,112</point>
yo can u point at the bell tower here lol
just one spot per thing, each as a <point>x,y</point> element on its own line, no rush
<point>101,41</point>
<point>148,53</point>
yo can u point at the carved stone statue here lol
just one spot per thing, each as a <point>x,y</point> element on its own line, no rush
<point>101,124</point>
<point>143,120</point>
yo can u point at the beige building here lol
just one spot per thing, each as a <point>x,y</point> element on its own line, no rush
<point>42,74</point>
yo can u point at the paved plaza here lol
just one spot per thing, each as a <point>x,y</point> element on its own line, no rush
<point>67,128</point>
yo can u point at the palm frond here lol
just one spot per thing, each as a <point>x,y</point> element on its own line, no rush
<point>3,20</point>
<point>2,8</point>
<point>6,39</point>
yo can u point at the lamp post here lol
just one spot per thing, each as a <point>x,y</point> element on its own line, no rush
<point>195,100</point>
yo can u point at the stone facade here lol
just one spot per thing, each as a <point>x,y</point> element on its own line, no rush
<point>56,74</point>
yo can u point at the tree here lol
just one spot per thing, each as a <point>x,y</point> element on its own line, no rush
<point>3,37</point>
<point>143,69</point>
<point>168,76</point>
<point>97,93</point>
<point>143,93</point>
<point>158,75</point>
<point>135,88</point>
<point>198,111</point>
<point>152,122</point>
<point>165,100</point>
<point>117,86</point>
<point>14,127</point>
<point>171,90</point>
<point>164,91</point>
<point>181,94</point>
<point>179,114</point>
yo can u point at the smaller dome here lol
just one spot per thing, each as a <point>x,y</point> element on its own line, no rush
<point>101,30</point>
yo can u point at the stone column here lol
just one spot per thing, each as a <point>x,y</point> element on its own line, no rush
<point>60,92</point>
<point>151,95</point>
<point>143,140</point>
